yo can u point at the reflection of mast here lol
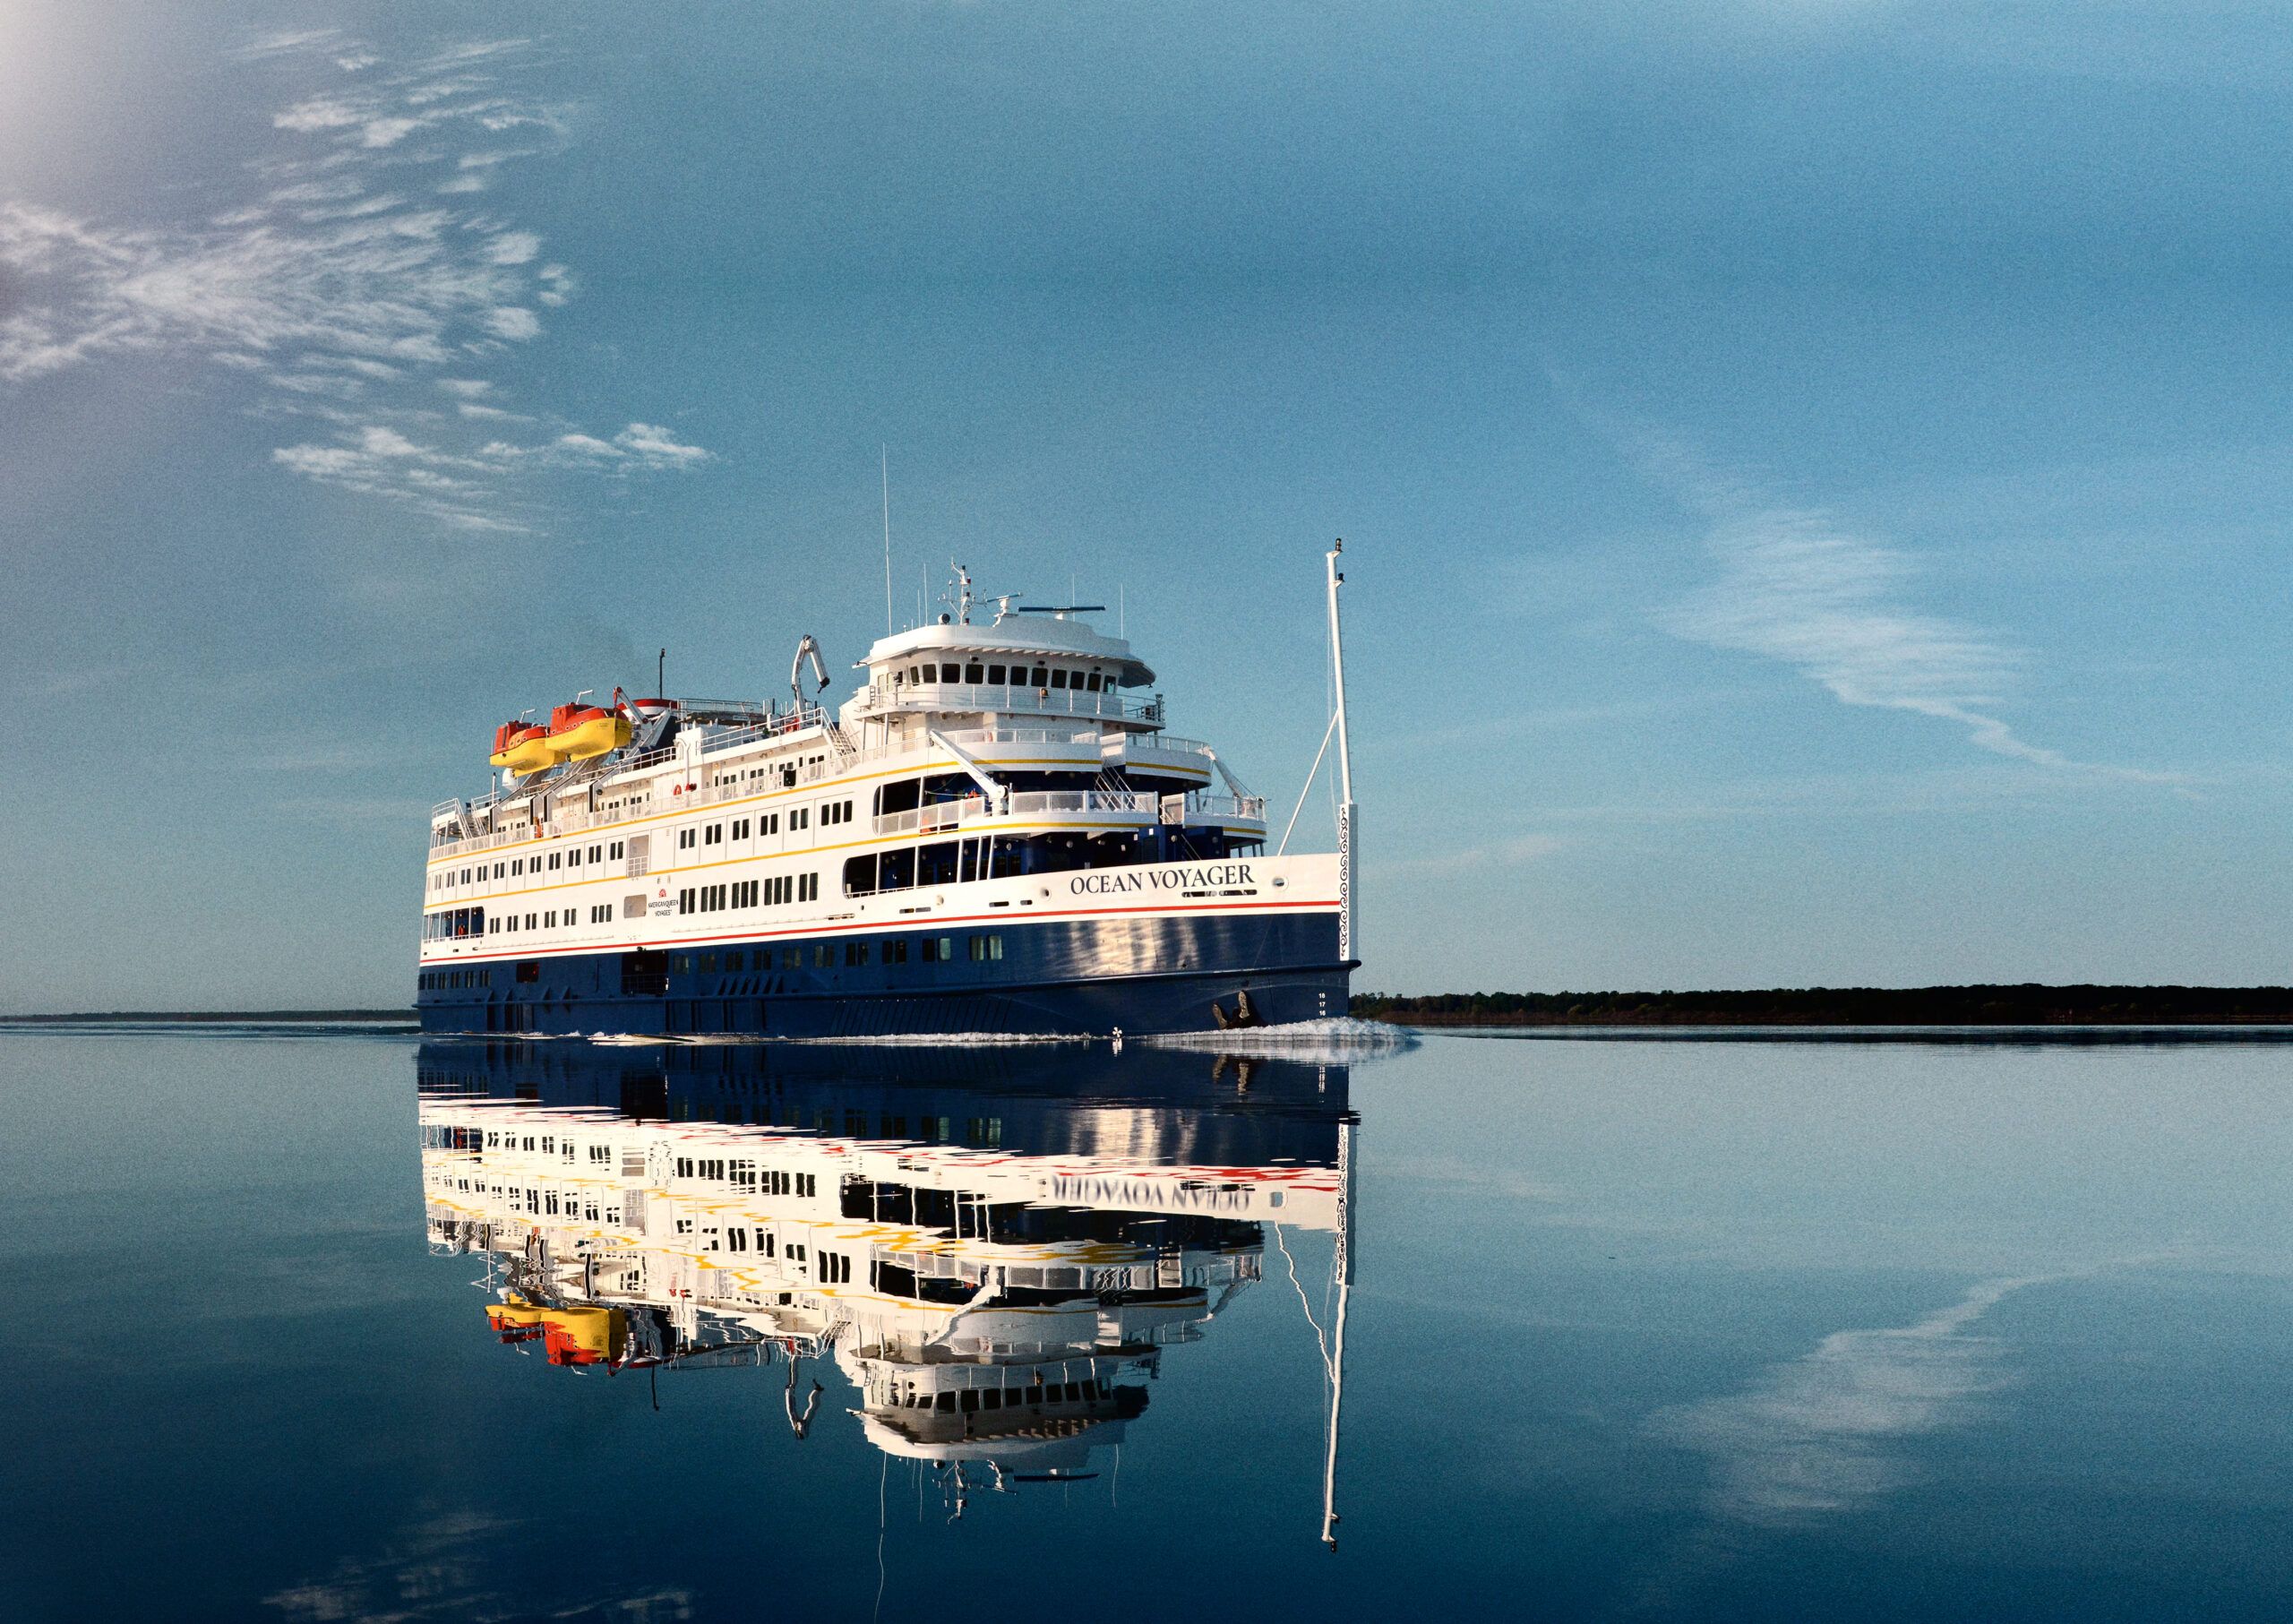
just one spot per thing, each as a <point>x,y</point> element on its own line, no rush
<point>1342,1266</point>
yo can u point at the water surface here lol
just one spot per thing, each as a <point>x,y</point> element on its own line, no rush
<point>1676,1329</point>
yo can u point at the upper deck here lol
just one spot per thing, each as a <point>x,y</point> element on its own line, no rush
<point>1026,716</point>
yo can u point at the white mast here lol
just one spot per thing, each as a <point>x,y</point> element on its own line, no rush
<point>1344,770</point>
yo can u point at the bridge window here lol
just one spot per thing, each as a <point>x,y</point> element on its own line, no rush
<point>974,672</point>
<point>995,676</point>
<point>1059,676</point>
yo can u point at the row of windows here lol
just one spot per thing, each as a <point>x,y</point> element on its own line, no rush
<point>971,1400</point>
<point>745,893</point>
<point>982,946</point>
<point>446,980</point>
<point>761,824</point>
<point>517,868</point>
<point>742,1174</point>
<point>978,672</point>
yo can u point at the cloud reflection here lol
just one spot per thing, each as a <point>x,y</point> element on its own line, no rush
<point>1822,1434</point>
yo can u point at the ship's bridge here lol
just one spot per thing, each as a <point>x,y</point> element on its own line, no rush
<point>1027,663</point>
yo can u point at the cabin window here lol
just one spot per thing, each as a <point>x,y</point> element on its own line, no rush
<point>822,955</point>
<point>808,887</point>
<point>616,850</point>
<point>714,835</point>
<point>791,959</point>
<point>938,950</point>
<point>995,676</point>
<point>856,953</point>
<point>553,859</point>
<point>798,818</point>
<point>573,858</point>
<point>985,949</point>
<point>896,950</point>
<point>530,921</point>
<point>684,901</point>
<point>684,839</point>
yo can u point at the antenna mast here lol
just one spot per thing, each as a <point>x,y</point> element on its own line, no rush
<point>1344,770</point>
<point>884,456</point>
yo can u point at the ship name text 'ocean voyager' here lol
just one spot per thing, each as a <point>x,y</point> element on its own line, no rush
<point>993,834</point>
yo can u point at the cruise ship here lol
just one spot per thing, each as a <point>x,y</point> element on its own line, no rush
<point>995,833</point>
<point>994,1249</point>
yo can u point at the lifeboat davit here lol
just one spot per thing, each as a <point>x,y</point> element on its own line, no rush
<point>521,748</point>
<point>578,731</point>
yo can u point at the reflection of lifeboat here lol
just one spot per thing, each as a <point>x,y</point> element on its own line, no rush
<point>516,1319</point>
<point>578,731</point>
<point>584,1336</point>
<point>521,748</point>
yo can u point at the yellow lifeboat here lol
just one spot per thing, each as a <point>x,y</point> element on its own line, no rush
<point>522,748</point>
<point>578,731</point>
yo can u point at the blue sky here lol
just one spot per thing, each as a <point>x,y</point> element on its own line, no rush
<point>1814,475</point>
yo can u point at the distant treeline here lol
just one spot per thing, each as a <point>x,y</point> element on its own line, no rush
<point>2027,1005</point>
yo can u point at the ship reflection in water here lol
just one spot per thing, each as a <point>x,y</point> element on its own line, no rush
<point>995,1246</point>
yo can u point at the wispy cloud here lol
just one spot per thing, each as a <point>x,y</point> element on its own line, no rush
<point>1797,586</point>
<point>1508,852</point>
<point>350,282</point>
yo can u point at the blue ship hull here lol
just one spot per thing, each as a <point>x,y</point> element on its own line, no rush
<point>1048,979</point>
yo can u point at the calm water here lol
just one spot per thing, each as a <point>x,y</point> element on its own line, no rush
<point>1709,1330</point>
